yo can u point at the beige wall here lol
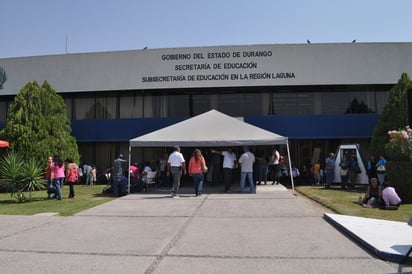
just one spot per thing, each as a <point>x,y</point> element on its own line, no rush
<point>305,64</point>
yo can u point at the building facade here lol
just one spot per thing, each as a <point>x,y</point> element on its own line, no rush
<point>319,95</point>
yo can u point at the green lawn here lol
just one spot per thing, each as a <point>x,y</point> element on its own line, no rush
<point>347,203</point>
<point>86,197</point>
<point>341,202</point>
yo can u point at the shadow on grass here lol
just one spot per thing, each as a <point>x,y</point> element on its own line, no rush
<point>33,200</point>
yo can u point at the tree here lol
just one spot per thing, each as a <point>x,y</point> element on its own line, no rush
<point>394,115</point>
<point>37,125</point>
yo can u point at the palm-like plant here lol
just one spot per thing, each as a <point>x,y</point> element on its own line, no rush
<point>11,170</point>
<point>18,176</point>
<point>33,177</point>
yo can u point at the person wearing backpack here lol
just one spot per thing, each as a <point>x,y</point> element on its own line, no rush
<point>72,176</point>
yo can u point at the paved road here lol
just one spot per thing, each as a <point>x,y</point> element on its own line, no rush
<point>272,231</point>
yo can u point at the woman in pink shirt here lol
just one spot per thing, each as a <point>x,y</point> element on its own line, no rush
<point>197,166</point>
<point>58,176</point>
<point>390,197</point>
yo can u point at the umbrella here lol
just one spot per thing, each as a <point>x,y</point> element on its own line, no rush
<point>4,143</point>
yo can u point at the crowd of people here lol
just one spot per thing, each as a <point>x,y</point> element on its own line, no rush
<point>57,172</point>
<point>256,167</point>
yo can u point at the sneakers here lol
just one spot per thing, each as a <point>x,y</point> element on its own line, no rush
<point>367,205</point>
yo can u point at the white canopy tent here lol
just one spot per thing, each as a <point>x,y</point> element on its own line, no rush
<point>211,129</point>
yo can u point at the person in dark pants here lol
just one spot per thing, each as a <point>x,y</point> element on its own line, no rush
<point>329,169</point>
<point>72,175</point>
<point>229,163</point>
<point>261,166</point>
<point>119,167</point>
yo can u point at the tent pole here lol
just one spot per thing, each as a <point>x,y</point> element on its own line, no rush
<point>128,170</point>
<point>290,170</point>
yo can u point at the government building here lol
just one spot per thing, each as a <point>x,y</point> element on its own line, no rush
<point>318,95</point>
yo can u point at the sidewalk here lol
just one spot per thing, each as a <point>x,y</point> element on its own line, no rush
<point>272,231</point>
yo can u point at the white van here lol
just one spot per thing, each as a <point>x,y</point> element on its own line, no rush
<point>349,150</point>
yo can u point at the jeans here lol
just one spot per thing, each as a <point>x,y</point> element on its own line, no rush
<point>381,178</point>
<point>243,176</point>
<point>344,181</point>
<point>198,181</point>
<point>262,173</point>
<point>58,183</point>
<point>330,175</point>
<point>116,180</point>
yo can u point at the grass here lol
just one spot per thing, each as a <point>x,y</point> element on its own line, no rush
<point>347,203</point>
<point>341,202</point>
<point>86,197</point>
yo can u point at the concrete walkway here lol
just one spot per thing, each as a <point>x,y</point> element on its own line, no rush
<point>272,231</point>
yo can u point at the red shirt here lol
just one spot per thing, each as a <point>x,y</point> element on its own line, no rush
<point>196,166</point>
<point>49,170</point>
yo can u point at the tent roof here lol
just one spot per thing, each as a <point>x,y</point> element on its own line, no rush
<point>210,129</point>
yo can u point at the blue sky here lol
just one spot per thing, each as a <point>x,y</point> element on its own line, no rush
<point>40,27</point>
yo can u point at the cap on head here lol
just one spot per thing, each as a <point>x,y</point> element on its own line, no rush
<point>121,155</point>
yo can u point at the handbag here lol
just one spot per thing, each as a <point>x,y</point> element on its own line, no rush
<point>381,169</point>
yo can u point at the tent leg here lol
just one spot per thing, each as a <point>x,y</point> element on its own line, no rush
<point>290,170</point>
<point>128,170</point>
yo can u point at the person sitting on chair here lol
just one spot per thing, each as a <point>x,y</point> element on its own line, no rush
<point>147,168</point>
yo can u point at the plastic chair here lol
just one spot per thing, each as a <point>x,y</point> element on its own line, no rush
<point>150,179</point>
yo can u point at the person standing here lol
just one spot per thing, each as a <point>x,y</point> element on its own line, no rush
<point>196,169</point>
<point>51,188</point>
<point>72,175</point>
<point>353,172</point>
<point>176,166</point>
<point>345,165</point>
<point>329,170</point>
<point>58,176</point>
<point>119,167</point>
<point>216,166</point>
<point>86,172</point>
<point>372,168</point>
<point>246,161</point>
<point>381,169</point>
<point>261,167</point>
<point>274,165</point>
<point>229,163</point>
<point>93,175</point>
<point>162,165</point>
<point>315,169</point>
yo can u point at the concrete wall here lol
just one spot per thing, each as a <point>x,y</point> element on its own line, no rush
<point>256,65</point>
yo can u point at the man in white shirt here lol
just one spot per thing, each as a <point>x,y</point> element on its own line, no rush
<point>274,166</point>
<point>175,167</point>
<point>246,170</point>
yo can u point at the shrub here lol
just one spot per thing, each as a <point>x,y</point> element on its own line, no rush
<point>399,147</point>
<point>17,176</point>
